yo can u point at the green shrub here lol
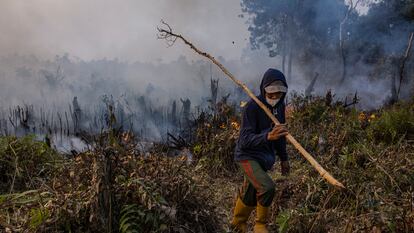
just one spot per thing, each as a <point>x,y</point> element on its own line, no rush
<point>24,158</point>
<point>392,125</point>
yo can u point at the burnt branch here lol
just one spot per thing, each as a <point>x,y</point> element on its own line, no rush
<point>167,34</point>
<point>355,101</point>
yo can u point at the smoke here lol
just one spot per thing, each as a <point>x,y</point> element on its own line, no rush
<point>350,51</point>
<point>106,53</point>
<point>96,29</point>
<point>142,94</point>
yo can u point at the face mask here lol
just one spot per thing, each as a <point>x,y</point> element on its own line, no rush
<point>272,102</point>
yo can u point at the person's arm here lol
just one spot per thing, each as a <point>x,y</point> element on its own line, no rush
<point>248,136</point>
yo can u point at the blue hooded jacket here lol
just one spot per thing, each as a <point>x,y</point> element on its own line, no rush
<point>252,143</point>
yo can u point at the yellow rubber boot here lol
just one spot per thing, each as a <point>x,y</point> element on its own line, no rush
<point>261,219</point>
<point>240,216</point>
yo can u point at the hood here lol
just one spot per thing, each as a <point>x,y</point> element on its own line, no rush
<point>270,76</point>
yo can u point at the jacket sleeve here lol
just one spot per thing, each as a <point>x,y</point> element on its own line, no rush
<point>280,144</point>
<point>249,138</point>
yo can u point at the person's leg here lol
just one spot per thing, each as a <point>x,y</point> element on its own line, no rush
<point>265,191</point>
<point>248,193</point>
<point>260,181</point>
<point>245,204</point>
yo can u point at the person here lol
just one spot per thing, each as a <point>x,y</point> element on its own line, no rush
<point>259,141</point>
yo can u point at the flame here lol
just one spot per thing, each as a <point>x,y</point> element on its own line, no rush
<point>126,137</point>
<point>372,117</point>
<point>235,125</point>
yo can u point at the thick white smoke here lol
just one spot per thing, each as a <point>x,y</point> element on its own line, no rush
<point>54,50</point>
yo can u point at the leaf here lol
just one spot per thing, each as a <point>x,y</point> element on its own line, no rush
<point>130,219</point>
<point>282,221</point>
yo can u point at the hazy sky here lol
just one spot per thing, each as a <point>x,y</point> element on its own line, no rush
<point>124,29</point>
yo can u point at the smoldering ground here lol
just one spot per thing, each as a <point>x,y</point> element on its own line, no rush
<point>143,94</point>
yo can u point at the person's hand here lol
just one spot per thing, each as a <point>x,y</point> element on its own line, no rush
<point>285,168</point>
<point>277,132</point>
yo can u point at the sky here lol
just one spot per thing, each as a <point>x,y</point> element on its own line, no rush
<point>95,29</point>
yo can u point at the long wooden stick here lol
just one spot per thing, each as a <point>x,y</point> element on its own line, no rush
<point>170,37</point>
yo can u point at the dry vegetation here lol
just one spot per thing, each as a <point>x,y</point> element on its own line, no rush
<point>114,188</point>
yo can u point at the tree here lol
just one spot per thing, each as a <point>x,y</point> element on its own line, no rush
<point>297,29</point>
<point>322,35</point>
<point>353,4</point>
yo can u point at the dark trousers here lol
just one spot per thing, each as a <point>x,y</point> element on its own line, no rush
<point>257,185</point>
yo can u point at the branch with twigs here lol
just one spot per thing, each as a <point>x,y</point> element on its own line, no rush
<point>166,33</point>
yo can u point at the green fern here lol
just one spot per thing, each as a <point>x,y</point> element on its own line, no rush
<point>131,216</point>
<point>136,218</point>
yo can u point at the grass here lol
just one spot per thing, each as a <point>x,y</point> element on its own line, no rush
<point>372,156</point>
